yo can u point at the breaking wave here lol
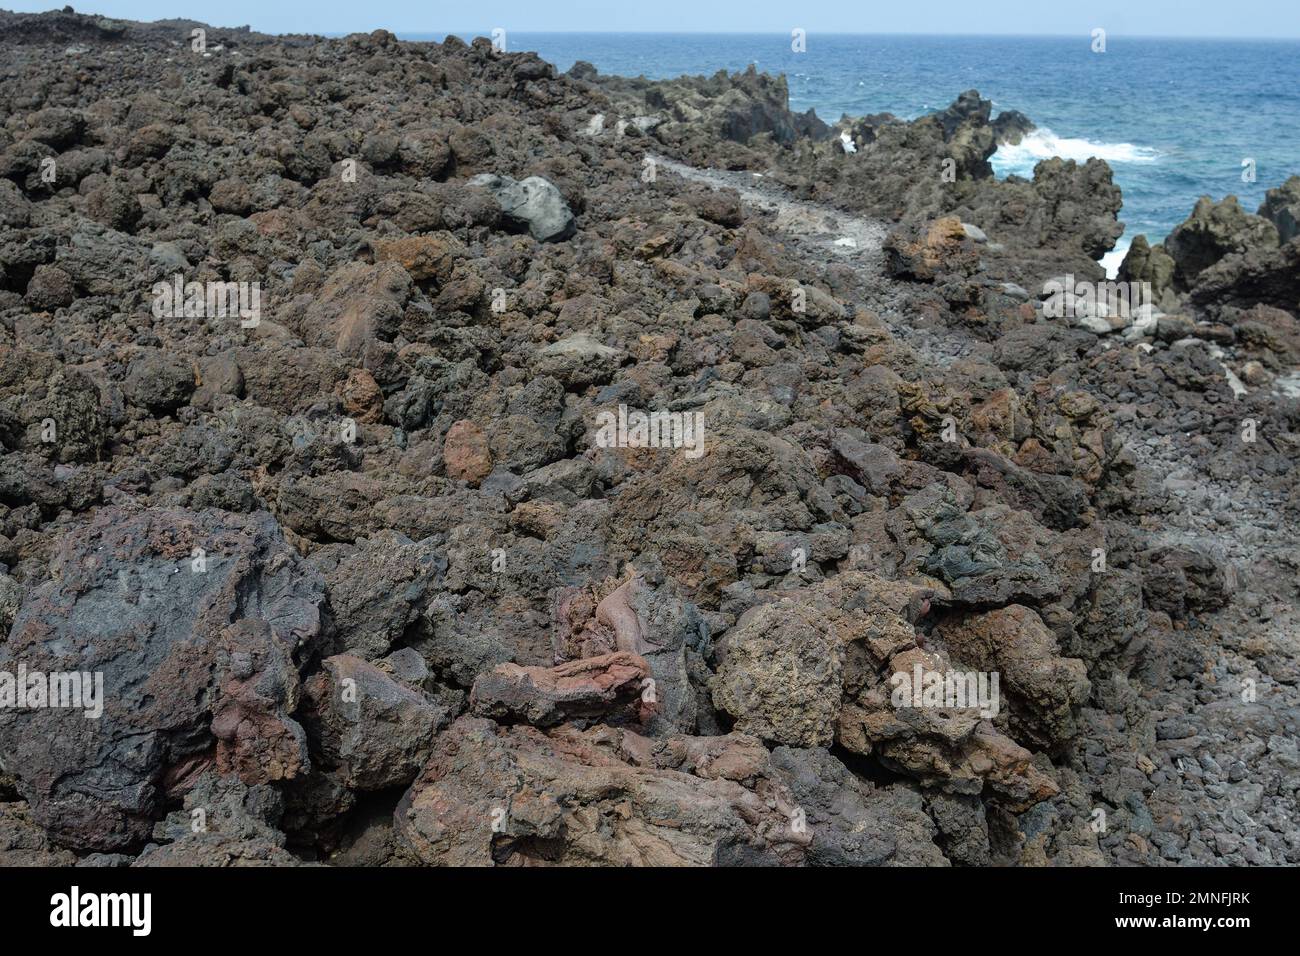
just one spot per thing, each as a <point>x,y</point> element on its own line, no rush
<point>1043,144</point>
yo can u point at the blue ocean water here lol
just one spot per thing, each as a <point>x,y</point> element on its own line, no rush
<point>1174,117</point>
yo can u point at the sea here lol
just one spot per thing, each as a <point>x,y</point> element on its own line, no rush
<point>1175,118</point>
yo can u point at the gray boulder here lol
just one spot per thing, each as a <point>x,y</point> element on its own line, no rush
<point>375,730</point>
<point>533,203</point>
<point>853,822</point>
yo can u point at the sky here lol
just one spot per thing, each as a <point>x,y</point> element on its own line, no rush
<point>1203,18</point>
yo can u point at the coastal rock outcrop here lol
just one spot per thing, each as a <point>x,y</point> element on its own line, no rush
<point>1281,207</point>
<point>1213,231</point>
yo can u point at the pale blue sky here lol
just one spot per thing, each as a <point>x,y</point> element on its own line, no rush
<point>1206,18</point>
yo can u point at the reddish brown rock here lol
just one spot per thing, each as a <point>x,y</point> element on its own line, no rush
<point>1044,689</point>
<point>424,257</point>
<point>359,303</point>
<point>255,738</point>
<point>520,797</point>
<point>363,399</point>
<point>465,452</point>
<point>610,686</point>
<point>924,253</point>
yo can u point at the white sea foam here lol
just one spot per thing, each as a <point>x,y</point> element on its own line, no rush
<point>1042,144</point>
<point>1112,260</point>
<point>1289,385</point>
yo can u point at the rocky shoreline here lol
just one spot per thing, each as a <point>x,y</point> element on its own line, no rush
<point>368,581</point>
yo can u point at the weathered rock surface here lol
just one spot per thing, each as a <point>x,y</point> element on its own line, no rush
<point>374,730</point>
<point>1281,207</point>
<point>781,679</point>
<point>1212,231</point>
<point>610,685</point>
<point>190,660</point>
<point>1044,689</point>
<point>515,796</point>
<point>223,822</point>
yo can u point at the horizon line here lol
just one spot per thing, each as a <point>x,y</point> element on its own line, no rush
<point>771,32</point>
<point>481,32</point>
<point>811,32</point>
